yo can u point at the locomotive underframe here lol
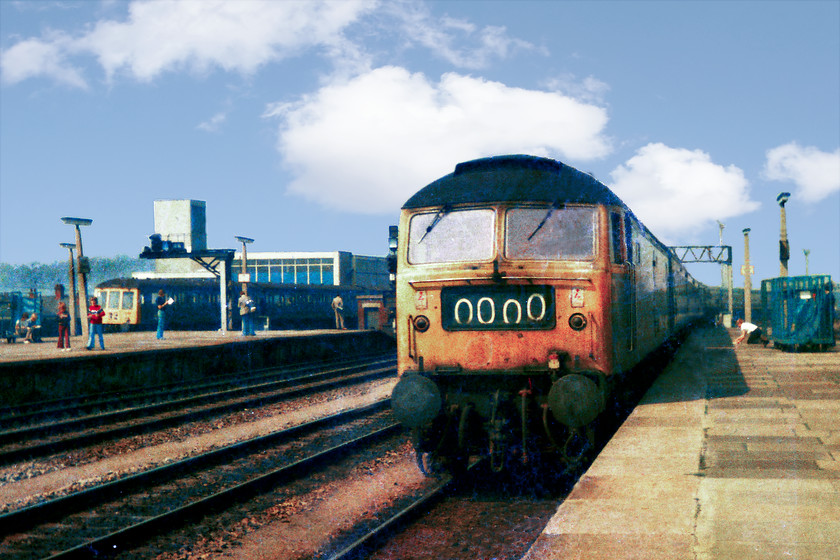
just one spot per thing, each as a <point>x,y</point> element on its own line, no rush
<point>507,414</point>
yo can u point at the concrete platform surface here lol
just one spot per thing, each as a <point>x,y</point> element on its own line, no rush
<point>118,343</point>
<point>733,454</point>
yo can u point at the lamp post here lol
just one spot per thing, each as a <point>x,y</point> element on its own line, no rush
<point>72,273</point>
<point>82,267</point>
<point>244,276</point>
<point>726,278</point>
<point>747,272</point>
<point>784,246</point>
<point>807,253</point>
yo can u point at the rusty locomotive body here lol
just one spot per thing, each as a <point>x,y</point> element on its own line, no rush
<point>524,289</point>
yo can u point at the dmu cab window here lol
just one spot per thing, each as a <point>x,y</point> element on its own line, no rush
<point>564,233</point>
<point>451,236</point>
<point>128,300</point>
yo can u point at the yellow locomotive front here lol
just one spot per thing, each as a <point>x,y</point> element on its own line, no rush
<point>503,296</point>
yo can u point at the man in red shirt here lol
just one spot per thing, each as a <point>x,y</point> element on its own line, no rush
<point>95,314</point>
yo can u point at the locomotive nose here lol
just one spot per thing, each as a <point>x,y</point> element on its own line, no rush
<point>415,400</point>
<point>575,400</point>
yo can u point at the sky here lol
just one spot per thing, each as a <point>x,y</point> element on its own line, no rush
<point>306,125</point>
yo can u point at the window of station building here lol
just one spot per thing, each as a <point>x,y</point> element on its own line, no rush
<point>327,276</point>
<point>315,274</point>
<point>288,274</point>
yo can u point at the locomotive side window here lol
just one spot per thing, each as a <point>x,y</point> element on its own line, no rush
<point>616,234</point>
<point>628,237</point>
<point>550,233</point>
<point>464,235</point>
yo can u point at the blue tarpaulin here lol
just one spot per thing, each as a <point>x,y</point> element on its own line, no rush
<point>799,310</point>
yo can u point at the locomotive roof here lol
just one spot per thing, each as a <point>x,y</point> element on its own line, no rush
<point>514,178</point>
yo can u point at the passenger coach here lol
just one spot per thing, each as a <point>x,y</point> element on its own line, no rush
<point>129,304</point>
<point>524,287</point>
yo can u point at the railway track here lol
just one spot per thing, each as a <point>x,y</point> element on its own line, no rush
<point>101,418</point>
<point>109,518</point>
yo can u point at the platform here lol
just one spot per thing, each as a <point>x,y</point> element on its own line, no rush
<point>40,371</point>
<point>733,454</point>
<point>144,341</point>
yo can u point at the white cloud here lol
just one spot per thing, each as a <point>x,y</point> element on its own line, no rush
<point>166,35</point>
<point>459,42</point>
<point>815,173</point>
<point>32,57</point>
<point>367,144</point>
<point>200,36</point>
<point>213,124</point>
<point>675,192</point>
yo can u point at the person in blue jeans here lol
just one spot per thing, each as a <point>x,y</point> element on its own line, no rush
<point>247,308</point>
<point>161,303</point>
<point>95,315</point>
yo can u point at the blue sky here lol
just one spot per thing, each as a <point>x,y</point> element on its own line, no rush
<point>306,125</point>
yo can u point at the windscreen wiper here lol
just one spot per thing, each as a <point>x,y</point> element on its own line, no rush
<point>438,217</point>
<point>555,206</point>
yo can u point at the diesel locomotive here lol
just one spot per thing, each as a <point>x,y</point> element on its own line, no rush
<point>525,288</point>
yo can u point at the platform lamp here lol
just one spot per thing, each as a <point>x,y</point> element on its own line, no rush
<point>82,267</point>
<point>807,254</point>
<point>244,279</point>
<point>71,270</point>
<point>784,245</point>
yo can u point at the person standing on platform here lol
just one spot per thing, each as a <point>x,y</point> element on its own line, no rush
<point>246,312</point>
<point>63,327</point>
<point>161,303</point>
<point>338,309</point>
<point>95,315</point>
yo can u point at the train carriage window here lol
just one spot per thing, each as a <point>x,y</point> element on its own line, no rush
<point>128,300</point>
<point>456,236</point>
<point>550,234</point>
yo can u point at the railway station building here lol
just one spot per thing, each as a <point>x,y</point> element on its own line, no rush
<point>184,222</point>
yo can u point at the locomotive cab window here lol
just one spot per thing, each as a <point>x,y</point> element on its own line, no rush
<point>451,236</point>
<point>564,233</point>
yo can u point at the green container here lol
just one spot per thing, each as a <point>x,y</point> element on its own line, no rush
<point>799,311</point>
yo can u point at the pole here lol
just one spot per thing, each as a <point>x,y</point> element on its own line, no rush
<point>73,301</point>
<point>729,290</point>
<point>244,267</point>
<point>82,279</point>
<point>784,246</point>
<point>81,271</point>
<point>245,241</point>
<point>223,275</point>
<point>723,267</point>
<point>807,253</point>
<point>747,278</point>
